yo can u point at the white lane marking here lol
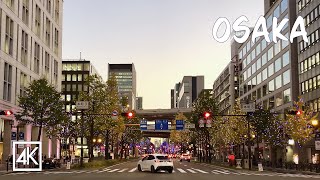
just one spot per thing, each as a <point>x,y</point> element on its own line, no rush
<point>173,171</point>
<point>221,172</point>
<point>185,165</point>
<point>78,172</point>
<point>104,170</point>
<point>204,172</point>
<point>181,170</point>
<point>132,170</point>
<point>92,171</point>
<point>192,171</point>
<point>113,170</point>
<point>123,170</point>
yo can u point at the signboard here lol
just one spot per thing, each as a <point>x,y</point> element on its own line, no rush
<point>13,136</point>
<point>21,135</point>
<point>161,124</point>
<point>317,145</point>
<point>248,107</point>
<point>208,123</point>
<point>81,105</point>
<point>201,122</point>
<point>179,125</point>
<point>260,167</point>
<point>143,124</point>
<point>190,126</point>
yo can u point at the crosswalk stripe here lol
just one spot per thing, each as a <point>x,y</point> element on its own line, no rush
<point>192,171</point>
<point>123,170</point>
<point>221,172</point>
<point>113,170</point>
<point>204,172</point>
<point>104,170</point>
<point>181,170</point>
<point>132,170</point>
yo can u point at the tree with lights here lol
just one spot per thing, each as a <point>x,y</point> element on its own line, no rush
<point>181,137</point>
<point>299,127</point>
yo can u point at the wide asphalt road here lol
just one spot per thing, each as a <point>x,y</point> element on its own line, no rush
<point>182,171</point>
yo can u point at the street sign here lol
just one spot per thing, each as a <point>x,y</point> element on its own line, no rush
<point>143,124</point>
<point>190,126</point>
<point>20,146</point>
<point>248,107</point>
<point>201,122</point>
<point>21,135</point>
<point>179,125</point>
<point>317,145</point>
<point>82,105</point>
<point>114,113</point>
<point>161,124</point>
<point>208,123</point>
<point>13,136</point>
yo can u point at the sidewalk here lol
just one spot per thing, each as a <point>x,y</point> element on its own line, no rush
<point>3,169</point>
<point>265,169</point>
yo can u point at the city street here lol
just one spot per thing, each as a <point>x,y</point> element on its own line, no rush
<point>182,171</point>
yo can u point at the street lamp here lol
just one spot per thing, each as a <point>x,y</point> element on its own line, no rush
<point>315,122</point>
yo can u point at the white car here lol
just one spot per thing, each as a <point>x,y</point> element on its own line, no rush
<point>155,162</point>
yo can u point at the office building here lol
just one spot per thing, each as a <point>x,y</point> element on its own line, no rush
<point>187,91</point>
<point>125,75</point>
<point>75,73</point>
<point>226,86</point>
<point>31,35</point>
<point>308,53</point>
<point>139,103</point>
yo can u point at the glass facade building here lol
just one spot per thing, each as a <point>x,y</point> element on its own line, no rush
<point>268,70</point>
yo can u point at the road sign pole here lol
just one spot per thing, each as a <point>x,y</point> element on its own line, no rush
<point>82,133</point>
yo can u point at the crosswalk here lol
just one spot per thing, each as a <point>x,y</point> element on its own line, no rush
<point>176,170</point>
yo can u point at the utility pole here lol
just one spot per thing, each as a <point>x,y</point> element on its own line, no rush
<point>249,141</point>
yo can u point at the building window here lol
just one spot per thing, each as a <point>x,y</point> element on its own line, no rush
<point>25,12</point>
<point>276,12</point>
<point>287,95</point>
<point>79,77</point>
<point>264,74</point>
<point>36,67</point>
<point>56,41</point>
<point>278,81</point>
<point>9,36</point>
<point>277,65</point>
<point>270,53</point>
<point>48,31</point>
<point>285,59</point>
<point>49,6</point>
<point>55,72</point>
<point>271,86</point>
<point>286,77</point>
<point>254,68</point>
<point>258,63</point>
<point>264,59</point>
<point>7,83</point>
<point>23,83</point>
<point>56,10</point>
<point>38,21</point>
<point>279,99</point>
<point>284,5</point>
<point>259,78</point>
<point>10,4</point>
<point>68,77</point>
<point>24,48</point>
<point>74,77</point>
<point>270,69</point>
<point>46,64</point>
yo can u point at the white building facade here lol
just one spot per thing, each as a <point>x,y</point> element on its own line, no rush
<point>30,48</point>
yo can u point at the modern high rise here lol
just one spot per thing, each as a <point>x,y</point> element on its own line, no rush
<point>125,75</point>
<point>75,72</point>
<point>31,35</point>
<point>226,86</point>
<point>187,91</point>
<point>139,105</point>
<point>309,53</point>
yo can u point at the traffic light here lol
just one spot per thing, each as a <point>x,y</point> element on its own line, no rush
<point>206,115</point>
<point>298,112</point>
<point>6,112</point>
<point>127,114</point>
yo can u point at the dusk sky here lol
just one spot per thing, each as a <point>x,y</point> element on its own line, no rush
<point>165,39</point>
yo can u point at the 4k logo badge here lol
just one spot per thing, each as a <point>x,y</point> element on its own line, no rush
<point>28,156</point>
